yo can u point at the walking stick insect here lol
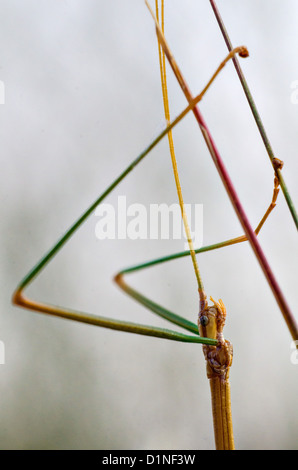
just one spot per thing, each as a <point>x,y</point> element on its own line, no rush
<point>19,299</point>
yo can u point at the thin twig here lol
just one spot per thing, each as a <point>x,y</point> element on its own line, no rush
<point>256,114</point>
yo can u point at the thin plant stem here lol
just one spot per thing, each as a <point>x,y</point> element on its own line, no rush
<point>256,114</point>
<point>163,76</point>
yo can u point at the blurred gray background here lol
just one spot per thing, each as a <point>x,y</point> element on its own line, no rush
<point>82,99</point>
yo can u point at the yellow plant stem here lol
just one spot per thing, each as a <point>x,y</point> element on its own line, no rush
<point>162,63</point>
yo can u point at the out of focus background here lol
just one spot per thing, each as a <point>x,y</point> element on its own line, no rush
<point>82,100</point>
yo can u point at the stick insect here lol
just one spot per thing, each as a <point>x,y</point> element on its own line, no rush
<point>204,338</point>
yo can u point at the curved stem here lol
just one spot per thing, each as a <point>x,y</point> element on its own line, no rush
<point>156,308</point>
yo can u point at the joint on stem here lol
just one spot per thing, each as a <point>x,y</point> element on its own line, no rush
<point>18,298</point>
<point>277,164</point>
<point>211,323</point>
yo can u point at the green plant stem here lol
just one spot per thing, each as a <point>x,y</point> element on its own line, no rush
<point>256,114</point>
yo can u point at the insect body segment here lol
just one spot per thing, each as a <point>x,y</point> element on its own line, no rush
<point>218,362</point>
<point>211,323</point>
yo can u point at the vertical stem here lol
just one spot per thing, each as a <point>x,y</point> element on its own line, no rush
<point>163,75</point>
<point>222,414</point>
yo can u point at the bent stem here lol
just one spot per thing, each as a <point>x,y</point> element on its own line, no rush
<point>104,322</point>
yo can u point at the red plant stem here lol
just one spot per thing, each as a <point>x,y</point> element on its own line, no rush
<point>287,314</point>
<point>285,309</point>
